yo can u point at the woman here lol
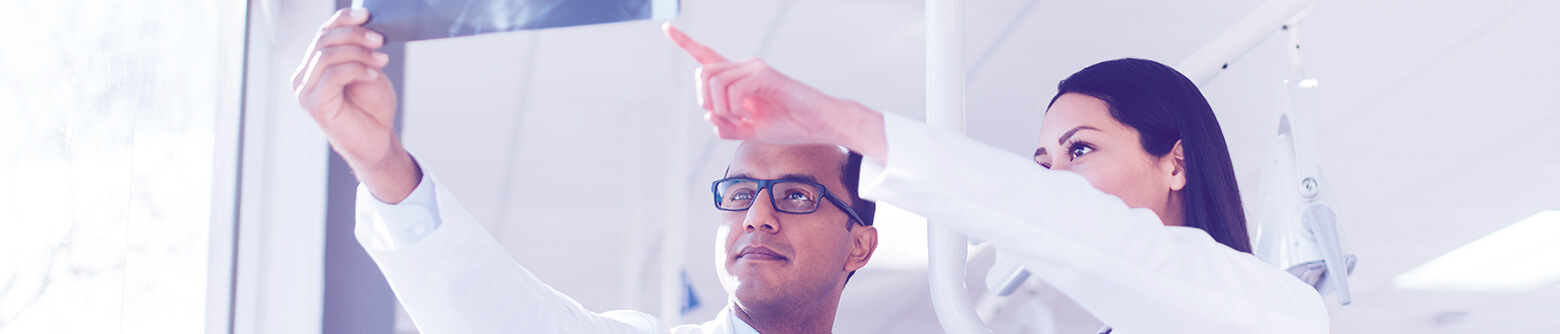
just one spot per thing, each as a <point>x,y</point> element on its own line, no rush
<point>1138,218</point>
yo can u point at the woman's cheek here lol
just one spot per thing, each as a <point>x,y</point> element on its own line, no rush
<point>1115,184</point>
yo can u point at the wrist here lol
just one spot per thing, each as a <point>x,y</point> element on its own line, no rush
<point>860,129</point>
<point>391,177</point>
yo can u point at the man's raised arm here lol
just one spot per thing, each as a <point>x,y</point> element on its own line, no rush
<point>341,84</point>
<point>445,269</point>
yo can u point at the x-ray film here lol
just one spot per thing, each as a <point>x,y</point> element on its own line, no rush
<point>411,20</point>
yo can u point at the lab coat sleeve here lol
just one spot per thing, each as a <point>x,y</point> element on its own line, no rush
<point>1121,264</point>
<point>453,277</point>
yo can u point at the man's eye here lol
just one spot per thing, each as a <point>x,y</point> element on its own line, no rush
<point>798,196</point>
<point>742,196</point>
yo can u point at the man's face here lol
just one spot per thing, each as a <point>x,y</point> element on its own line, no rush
<point>769,259</point>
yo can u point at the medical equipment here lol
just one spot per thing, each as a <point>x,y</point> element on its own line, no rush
<point>1297,226</point>
<point>1297,222</point>
<point>945,247</point>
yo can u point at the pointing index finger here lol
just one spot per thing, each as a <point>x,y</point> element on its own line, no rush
<point>701,53</point>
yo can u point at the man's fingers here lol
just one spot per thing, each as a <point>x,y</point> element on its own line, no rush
<point>332,85</point>
<point>703,54</point>
<point>348,35</point>
<point>340,54</point>
<point>351,35</point>
<point>346,17</point>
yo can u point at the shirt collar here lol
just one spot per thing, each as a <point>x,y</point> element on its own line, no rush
<point>737,325</point>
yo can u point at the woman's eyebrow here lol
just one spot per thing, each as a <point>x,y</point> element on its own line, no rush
<point>1069,134</point>
<point>1065,136</point>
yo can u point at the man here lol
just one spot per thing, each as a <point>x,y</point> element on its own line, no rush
<point>789,230</point>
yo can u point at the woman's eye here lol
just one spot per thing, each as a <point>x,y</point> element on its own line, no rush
<point>1079,150</point>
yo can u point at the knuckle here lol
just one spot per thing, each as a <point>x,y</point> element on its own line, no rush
<point>346,33</point>
<point>346,68</point>
<point>344,52</point>
<point>307,102</point>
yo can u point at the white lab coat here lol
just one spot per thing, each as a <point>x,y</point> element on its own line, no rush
<point>453,277</point>
<point>1121,264</point>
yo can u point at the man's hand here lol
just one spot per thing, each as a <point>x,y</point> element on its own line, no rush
<point>748,100</point>
<point>341,84</point>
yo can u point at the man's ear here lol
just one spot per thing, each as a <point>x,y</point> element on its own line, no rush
<point>864,241</point>
<point>1175,162</point>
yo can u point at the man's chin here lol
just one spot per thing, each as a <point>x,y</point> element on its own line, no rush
<point>757,296</point>
<point>757,283</point>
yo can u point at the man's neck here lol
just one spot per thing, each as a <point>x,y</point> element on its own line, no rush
<point>805,319</point>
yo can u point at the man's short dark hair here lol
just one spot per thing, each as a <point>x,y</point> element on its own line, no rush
<point>850,176</point>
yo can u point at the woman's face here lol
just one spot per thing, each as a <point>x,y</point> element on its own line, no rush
<point>1079,135</point>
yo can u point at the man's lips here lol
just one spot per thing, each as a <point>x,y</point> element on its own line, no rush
<point>759,253</point>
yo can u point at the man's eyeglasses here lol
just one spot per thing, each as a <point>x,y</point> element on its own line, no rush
<point>794,196</point>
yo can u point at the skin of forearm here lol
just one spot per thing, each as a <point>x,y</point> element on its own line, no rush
<point>391,178</point>
<point>860,129</point>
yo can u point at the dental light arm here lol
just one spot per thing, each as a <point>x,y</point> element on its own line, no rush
<point>946,248</point>
<point>1298,225</point>
<point>1304,239</point>
<point>1242,36</point>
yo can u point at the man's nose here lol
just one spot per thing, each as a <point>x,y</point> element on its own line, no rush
<point>762,215</point>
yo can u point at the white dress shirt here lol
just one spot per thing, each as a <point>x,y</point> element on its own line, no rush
<point>453,277</point>
<point>1121,264</point>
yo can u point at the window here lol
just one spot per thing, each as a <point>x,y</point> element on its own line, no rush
<point>108,113</point>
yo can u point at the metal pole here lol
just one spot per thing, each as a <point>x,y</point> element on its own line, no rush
<point>675,220</point>
<point>1240,37</point>
<point>945,109</point>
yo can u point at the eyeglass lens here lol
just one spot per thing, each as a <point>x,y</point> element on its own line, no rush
<point>788,196</point>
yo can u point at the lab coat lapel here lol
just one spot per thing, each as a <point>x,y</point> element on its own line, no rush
<point>721,324</point>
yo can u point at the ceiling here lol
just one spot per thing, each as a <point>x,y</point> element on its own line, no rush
<point>1438,123</point>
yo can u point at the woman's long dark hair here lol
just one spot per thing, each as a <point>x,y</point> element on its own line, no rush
<point>1164,106</point>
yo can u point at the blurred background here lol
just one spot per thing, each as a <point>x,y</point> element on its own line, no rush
<point>157,175</point>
